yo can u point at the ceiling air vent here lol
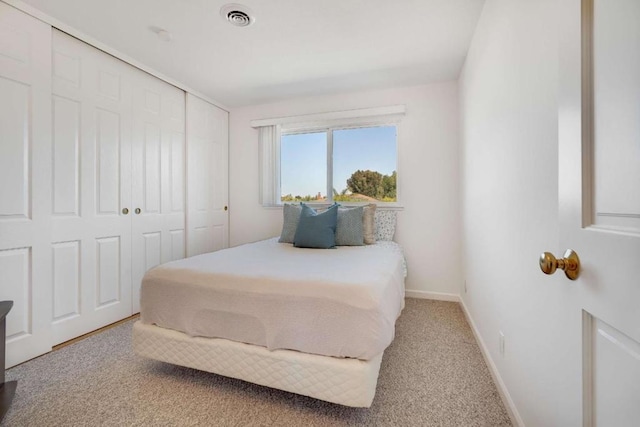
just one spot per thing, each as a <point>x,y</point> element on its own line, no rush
<point>237,14</point>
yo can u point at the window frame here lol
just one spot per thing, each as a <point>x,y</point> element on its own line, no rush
<point>329,129</point>
<point>269,138</point>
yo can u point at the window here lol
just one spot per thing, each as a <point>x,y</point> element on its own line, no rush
<point>303,167</point>
<point>349,165</point>
<point>343,156</point>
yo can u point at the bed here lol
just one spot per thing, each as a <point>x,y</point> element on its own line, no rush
<point>308,321</point>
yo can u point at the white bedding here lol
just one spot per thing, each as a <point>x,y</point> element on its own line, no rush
<point>339,302</point>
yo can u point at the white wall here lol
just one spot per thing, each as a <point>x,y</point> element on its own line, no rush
<point>428,227</point>
<point>509,156</point>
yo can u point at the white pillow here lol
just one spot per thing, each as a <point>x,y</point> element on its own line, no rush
<point>385,223</point>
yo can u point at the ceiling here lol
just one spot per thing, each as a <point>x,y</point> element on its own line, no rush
<point>295,47</point>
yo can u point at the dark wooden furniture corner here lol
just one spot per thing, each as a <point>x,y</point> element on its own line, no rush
<point>7,390</point>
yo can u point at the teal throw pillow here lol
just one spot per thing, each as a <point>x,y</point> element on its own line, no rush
<point>316,230</point>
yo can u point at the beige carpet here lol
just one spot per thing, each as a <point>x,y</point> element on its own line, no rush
<point>432,375</point>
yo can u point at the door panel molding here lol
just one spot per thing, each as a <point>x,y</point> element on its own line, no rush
<point>611,374</point>
<point>587,369</point>
<point>587,113</point>
<point>600,210</point>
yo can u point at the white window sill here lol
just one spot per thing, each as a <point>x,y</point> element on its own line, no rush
<point>379,206</point>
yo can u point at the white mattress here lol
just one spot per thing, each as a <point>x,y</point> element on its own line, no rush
<point>339,302</point>
<point>348,382</point>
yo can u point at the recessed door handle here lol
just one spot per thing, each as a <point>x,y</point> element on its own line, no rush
<point>137,211</point>
<point>570,264</point>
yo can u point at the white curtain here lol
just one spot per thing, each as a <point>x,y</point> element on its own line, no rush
<point>269,165</point>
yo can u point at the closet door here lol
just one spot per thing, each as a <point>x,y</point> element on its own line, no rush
<point>91,188</point>
<point>207,177</point>
<point>158,180</point>
<point>25,175</point>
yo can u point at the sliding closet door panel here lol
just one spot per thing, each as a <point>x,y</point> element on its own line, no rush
<point>157,176</point>
<point>207,177</point>
<point>25,175</point>
<point>91,185</point>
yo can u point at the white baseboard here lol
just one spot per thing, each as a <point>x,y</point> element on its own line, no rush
<point>497,379</point>
<point>440,296</point>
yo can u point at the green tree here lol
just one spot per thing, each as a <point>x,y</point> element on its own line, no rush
<point>389,185</point>
<point>373,184</point>
<point>367,183</point>
<point>298,198</point>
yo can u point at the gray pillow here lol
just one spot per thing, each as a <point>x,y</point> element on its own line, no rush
<point>316,230</point>
<point>350,231</point>
<point>290,218</point>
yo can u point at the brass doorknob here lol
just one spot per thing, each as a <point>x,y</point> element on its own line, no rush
<point>570,264</point>
<point>225,208</point>
<point>125,211</point>
<point>137,211</point>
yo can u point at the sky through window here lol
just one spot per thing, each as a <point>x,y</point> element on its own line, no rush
<point>304,158</point>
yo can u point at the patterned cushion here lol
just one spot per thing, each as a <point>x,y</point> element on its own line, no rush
<point>316,230</point>
<point>290,217</point>
<point>368,224</point>
<point>349,231</point>
<point>385,225</point>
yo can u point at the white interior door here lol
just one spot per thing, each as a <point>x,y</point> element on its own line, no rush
<point>207,177</point>
<point>25,174</point>
<point>158,166</point>
<point>91,238</point>
<point>599,141</point>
